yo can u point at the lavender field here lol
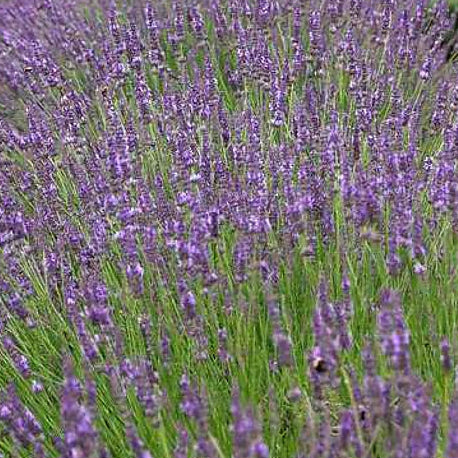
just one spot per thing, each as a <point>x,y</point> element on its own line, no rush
<point>228,229</point>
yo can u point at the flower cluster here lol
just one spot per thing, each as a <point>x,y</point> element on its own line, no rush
<point>235,221</point>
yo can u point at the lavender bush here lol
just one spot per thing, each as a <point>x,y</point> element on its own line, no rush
<point>228,229</point>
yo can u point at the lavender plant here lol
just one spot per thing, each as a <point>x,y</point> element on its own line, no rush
<point>228,229</point>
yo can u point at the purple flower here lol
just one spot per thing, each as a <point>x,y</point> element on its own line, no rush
<point>446,358</point>
<point>80,436</point>
<point>394,334</point>
<point>452,443</point>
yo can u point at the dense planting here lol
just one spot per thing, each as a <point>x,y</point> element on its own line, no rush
<point>228,229</point>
